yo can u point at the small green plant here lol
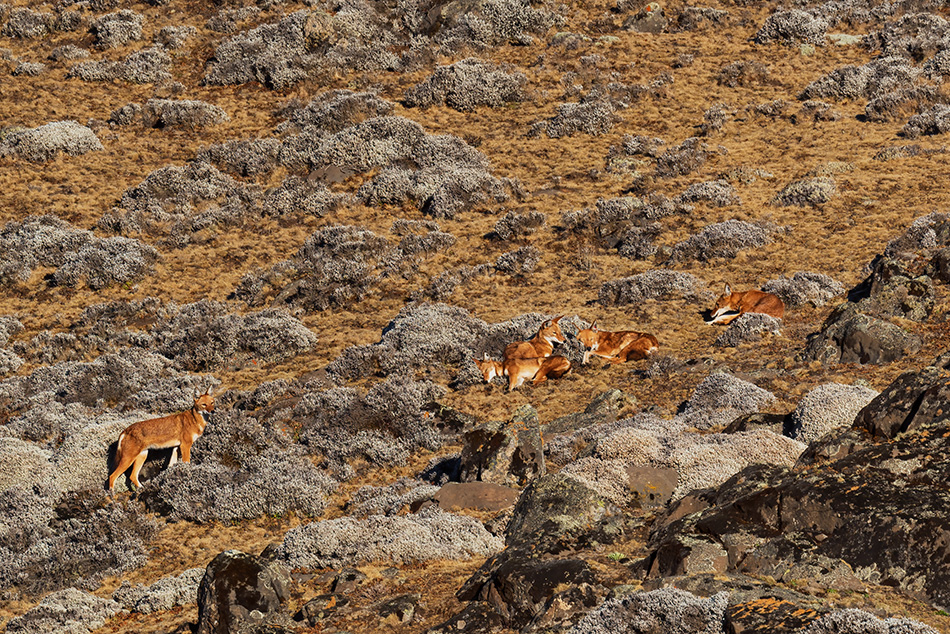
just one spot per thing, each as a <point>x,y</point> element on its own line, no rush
<point>616,556</point>
<point>942,613</point>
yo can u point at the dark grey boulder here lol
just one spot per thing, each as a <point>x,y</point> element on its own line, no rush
<point>849,336</point>
<point>241,592</point>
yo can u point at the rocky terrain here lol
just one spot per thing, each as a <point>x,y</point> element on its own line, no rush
<point>326,211</point>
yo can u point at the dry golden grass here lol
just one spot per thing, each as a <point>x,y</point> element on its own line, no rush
<point>875,202</point>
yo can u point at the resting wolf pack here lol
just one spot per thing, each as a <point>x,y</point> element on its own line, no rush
<point>532,360</point>
<point>535,360</point>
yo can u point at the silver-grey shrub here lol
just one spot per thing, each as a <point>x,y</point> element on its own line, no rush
<point>297,195</point>
<point>721,398</point>
<point>650,285</point>
<point>336,266</point>
<point>827,407</point>
<point>682,159</point>
<point>173,37</point>
<point>186,113</point>
<point>80,550</point>
<point>718,193</point>
<point>102,262</point>
<point>116,29</point>
<point>335,110</point>
<point>393,410</point>
<point>520,262</point>
<point>245,157</point>
<point>164,594</point>
<point>594,118</point>
<point>43,143</point>
<point>9,362</point>
<point>804,287</point>
<point>26,24</point>
<point>37,241</point>
<point>430,534</point>
<point>936,120</point>
<point>276,482</point>
<point>518,225</point>
<point>29,69</point>
<point>912,35</point>
<point>467,84</point>
<point>723,240</point>
<point>854,621</point>
<point>389,499</point>
<point>667,610</point>
<point>877,77</point>
<point>148,66</point>
<point>496,22</point>
<point>68,611</point>
<point>749,327</point>
<point>9,326</point>
<point>791,27</point>
<point>171,201</point>
<point>274,54</point>
<point>924,234</point>
<point>806,192</point>
<point>206,335</point>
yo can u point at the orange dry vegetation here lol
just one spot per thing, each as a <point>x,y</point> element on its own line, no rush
<point>875,202</point>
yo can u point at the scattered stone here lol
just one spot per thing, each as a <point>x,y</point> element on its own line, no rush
<point>479,496</point>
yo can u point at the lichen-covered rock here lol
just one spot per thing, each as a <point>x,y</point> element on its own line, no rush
<point>555,506</point>
<point>878,503</point>
<point>849,336</point>
<point>43,143</point>
<point>828,407</point>
<point>508,453</point>
<point>240,590</point>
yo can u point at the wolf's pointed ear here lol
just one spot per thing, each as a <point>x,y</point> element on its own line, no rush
<point>209,390</point>
<point>727,290</point>
<point>593,325</point>
<point>485,358</point>
<point>556,319</point>
<point>197,394</point>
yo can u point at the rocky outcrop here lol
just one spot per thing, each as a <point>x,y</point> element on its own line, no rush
<point>865,505</point>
